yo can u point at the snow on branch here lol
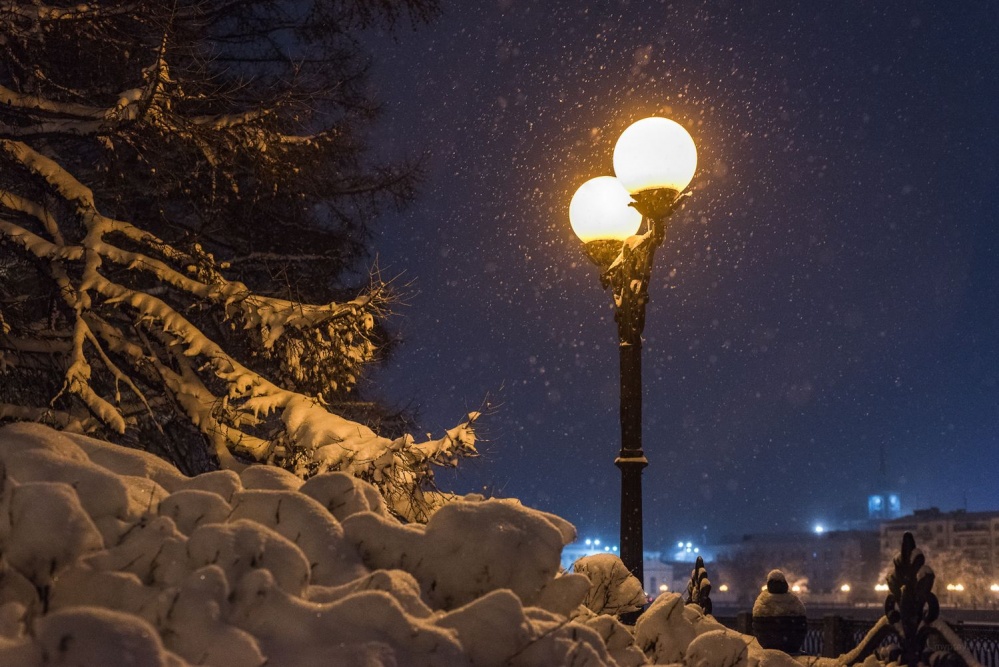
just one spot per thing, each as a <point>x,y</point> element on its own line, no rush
<point>139,139</point>
<point>63,420</point>
<point>38,103</point>
<point>130,337</point>
<point>39,12</point>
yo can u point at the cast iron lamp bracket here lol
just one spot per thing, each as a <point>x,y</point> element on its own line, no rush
<point>629,274</point>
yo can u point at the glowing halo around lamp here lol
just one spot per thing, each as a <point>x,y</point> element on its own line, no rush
<point>655,153</point>
<point>600,211</point>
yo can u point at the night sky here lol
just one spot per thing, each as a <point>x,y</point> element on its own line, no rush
<point>830,288</point>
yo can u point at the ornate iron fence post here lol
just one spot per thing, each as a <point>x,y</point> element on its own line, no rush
<point>699,587</point>
<point>911,607</point>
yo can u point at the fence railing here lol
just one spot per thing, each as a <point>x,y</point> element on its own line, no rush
<point>982,641</point>
<point>832,636</point>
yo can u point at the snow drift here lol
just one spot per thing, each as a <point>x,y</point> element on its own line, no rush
<point>110,556</point>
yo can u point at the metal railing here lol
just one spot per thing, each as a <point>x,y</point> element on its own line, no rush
<point>833,636</point>
<point>982,641</point>
<point>910,631</point>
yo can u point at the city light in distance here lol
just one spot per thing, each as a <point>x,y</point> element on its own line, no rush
<point>819,529</point>
<point>845,588</point>
<point>955,587</point>
<point>594,544</point>
<point>881,587</point>
<point>994,588</point>
<point>724,588</point>
<point>688,547</point>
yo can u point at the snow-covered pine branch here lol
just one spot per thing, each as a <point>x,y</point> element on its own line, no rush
<point>313,440</point>
<point>138,141</point>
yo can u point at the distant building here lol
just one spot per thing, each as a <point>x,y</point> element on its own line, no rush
<point>884,506</point>
<point>974,536</point>
<point>660,576</point>
<point>573,552</point>
<point>836,566</point>
<point>689,552</point>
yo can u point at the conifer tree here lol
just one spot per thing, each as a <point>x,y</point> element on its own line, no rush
<point>185,202</point>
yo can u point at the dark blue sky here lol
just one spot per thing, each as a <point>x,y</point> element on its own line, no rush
<point>831,287</point>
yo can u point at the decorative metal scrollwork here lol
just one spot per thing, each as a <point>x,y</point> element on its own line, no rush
<point>911,607</point>
<point>699,587</point>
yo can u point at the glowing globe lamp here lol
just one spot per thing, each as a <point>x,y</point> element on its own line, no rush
<point>602,218</point>
<point>655,153</point>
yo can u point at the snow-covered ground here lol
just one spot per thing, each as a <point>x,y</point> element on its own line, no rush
<point>110,556</point>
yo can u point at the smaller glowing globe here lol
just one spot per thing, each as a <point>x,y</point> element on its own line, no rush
<point>655,153</point>
<point>600,211</point>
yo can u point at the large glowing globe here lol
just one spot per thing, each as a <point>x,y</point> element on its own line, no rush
<point>600,211</point>
<point>655,153</point>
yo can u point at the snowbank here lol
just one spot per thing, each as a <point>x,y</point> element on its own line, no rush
<point>112,557</point>
<point>109,556</point>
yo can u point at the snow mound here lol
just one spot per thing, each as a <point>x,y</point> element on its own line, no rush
<point>108,556</point>
<point>613,590</point>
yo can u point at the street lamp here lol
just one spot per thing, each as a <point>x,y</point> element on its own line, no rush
<point>654,161</point>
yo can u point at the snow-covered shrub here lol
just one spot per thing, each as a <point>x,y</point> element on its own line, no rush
<point>207,570</point>
<point>717,647</point>
<point>667,628</point>
<point>110,556</point>
<point>613,589</point>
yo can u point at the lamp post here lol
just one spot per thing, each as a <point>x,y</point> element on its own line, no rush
<point>654,161</point>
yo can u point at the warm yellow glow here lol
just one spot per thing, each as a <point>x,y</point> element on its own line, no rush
<point>845,588</point>
<point>724,588</point>
<point>796,588</point>
<point>994,588</point>
<point>958,587</point>
<point>881,587</point>
<point>599,211</point>
<point>663,588</point>
<point>655,153</point>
